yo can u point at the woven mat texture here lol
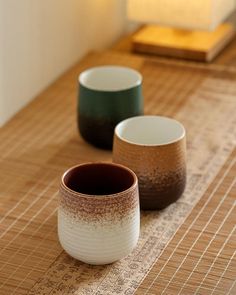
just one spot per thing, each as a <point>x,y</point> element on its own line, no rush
<point>188,248</point>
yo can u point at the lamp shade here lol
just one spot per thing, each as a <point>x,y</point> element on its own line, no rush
<point>185,14</point>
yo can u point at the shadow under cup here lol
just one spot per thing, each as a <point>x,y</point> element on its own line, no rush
<point>107,95</point>
<point>154,148</point>
<point>98,214</point>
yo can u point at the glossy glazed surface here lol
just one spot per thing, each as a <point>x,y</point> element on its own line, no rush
<point>107,95</point>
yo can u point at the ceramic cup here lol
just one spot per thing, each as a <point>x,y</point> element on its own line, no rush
<point>154,148</point>
<point>107,95</point>
<point>98,214</point>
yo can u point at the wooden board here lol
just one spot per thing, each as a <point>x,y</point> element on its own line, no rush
<point>195,45</point>
<point>41,141</point>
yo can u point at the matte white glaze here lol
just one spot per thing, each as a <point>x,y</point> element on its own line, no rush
<point>110,78</point>
<point>96,243</point>
<point>150,130</point>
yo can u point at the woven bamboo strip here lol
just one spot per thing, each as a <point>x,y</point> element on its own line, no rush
<point>204,246</point>
<point>40,142</point>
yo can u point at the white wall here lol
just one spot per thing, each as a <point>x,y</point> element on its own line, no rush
<point>40,39</point>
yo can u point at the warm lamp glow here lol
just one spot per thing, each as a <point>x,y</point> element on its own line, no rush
<point>185,14</point>
<point>190,29</point>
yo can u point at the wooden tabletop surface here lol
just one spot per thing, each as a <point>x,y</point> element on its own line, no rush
<point>188,248</point>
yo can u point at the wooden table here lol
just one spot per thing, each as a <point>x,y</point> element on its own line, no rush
<point>188,248</point>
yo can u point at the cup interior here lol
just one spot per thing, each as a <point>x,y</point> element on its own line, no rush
<point>110,78</point>
<point>150,130</point>
<point>99,179</point>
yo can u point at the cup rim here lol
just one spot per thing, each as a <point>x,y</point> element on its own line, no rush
<point>150,144</point>
<point>115,195</point>
<point>138,81</point>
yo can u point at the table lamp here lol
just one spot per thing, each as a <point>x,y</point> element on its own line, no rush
<point>191,29</point>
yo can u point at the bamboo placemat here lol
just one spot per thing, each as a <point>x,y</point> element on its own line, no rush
<point>42,141</point>
<point>200,259</point>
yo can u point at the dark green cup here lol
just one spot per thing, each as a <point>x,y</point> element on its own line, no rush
<point>107,95</point>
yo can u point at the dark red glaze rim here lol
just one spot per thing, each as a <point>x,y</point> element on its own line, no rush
<point>119,194</point>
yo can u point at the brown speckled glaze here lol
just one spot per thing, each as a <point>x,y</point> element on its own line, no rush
<point>101,207</point>
<point>161,170</point>
<point>98,214</point>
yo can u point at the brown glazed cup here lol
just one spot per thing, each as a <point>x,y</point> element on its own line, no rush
<point>154,147</point>
<point>98,214</point>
